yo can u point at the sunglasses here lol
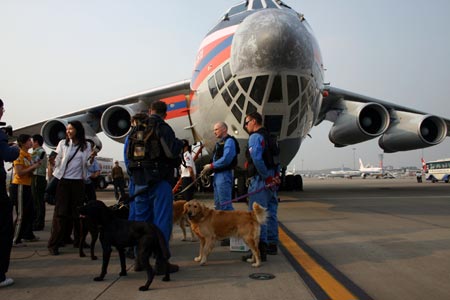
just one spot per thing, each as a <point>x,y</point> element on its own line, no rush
<point>248,121</point>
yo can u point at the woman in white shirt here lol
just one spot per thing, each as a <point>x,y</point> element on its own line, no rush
<point>71,163</point>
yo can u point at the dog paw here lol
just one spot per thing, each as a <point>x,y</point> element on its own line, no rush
<point>123,273</point>
<point>143,288</point>
<point>183,240</point>
<point>198,258</point>
<point>203,262</point>
<point>99,278</point>
<point>256,265</point>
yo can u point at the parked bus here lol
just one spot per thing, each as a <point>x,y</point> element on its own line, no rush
<point>439,170</point>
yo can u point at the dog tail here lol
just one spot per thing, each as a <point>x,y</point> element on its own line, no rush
<point>260,213</point>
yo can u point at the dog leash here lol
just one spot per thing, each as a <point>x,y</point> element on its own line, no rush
<point>191,184</point>
<point>268,186</point>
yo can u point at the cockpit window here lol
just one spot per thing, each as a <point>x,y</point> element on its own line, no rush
<point>257,4</point>
<point>270,4</point>
<point>237,9</point>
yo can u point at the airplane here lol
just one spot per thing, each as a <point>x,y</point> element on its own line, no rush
<point>369,170</point>
<point>261,56</point>
<point>345,173</point>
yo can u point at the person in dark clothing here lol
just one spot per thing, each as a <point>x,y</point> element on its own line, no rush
<point>7,153</point>
<point>118,180</point>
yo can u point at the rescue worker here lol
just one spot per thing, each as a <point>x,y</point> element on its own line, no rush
<point>153,151</point>
<point>263,174</point>
<point>224,160</point>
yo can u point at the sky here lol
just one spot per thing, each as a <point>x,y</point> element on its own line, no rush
<point>61,56</point>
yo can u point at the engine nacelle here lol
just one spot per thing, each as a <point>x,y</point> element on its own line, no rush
<point>116,120</point>
<point>412,131</point>
<point>358,122</point>
<point>55,130</point>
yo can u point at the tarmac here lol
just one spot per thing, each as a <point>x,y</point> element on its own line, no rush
<point>341,239</point>
<point>38,275</point>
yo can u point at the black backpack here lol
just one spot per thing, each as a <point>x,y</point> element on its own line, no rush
<point>219,153</point>
<point>144,145</point>
<point>151,159</point>
<point>271,150</point>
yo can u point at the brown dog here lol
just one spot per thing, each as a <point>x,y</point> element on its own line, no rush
<point>211,225</point>
<point>180,218</point>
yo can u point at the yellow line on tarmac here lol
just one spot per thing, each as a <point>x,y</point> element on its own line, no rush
<point>325,280</point>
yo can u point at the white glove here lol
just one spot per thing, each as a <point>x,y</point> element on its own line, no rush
<point>207,168</point>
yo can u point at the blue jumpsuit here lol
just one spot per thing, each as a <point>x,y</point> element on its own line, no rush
<point>155,204</point>
<point>267,198</point>
<point>131,187</point>
<point>223,180</point>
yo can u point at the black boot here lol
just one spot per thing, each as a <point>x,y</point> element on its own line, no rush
<point>262,251</point>
<point>159,268</point>
<point>272,249</point>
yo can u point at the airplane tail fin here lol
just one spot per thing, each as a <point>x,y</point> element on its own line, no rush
<point>424,165</point>
<point>361,165</point>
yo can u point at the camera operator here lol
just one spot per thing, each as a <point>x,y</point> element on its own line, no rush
<point>7,153</point>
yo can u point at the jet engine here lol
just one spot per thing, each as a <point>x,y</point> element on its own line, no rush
<point>55,130</point>
<point>358,122</point>
<point>116,120</point>
<point>412,131</point>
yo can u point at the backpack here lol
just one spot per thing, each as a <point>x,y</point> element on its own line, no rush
<point>271,149</point>
<point>218,150</point>
<point>144,145</point>
<point>150,158</point>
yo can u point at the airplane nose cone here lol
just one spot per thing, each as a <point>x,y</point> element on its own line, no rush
<point>271,40</point>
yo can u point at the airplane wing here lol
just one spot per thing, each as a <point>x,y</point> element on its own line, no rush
<point>358,118</point>
<point>97,118</point>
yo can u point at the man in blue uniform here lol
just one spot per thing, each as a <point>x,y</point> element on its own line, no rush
<point>224,161</point>
<point>263,172</point>
<point>152,155</point>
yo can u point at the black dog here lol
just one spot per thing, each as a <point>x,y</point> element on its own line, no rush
<point>88,225</point>
<point>123,233</point>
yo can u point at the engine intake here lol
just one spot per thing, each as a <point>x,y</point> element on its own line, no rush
<point>55,130</point>
<point>358,122</point>
<point>413,131</point>
<point>116,120</point>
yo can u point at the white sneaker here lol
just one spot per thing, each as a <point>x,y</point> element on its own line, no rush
<point>7,282</point>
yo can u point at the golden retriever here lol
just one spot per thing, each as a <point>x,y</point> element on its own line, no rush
<point>211,225</point>
<point>180,218</point>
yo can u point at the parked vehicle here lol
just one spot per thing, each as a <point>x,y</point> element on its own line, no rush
<point>106,164</point>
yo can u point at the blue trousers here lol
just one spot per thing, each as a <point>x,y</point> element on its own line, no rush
<point>131,187</point>
<point>155,206</point>
<point>223,190</point>
<point>269,200</point>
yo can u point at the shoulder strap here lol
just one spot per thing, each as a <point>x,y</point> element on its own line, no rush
<point>70,159</point>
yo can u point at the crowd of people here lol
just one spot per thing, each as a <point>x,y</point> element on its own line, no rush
<point>151,152</point>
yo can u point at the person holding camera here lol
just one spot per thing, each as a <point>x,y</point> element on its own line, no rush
<point>20,191</point>
<point>7,153</point>
<point>74,157</point>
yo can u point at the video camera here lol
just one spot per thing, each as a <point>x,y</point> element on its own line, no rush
<point>6,129</point>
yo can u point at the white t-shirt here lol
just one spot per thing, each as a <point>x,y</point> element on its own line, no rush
<point>189,163</point>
